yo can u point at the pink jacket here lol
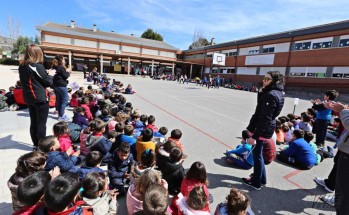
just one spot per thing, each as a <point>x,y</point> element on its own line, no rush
<point>83,149</point>
<point>88,113</point>
<point>65,142</point>
<point>133,204</point>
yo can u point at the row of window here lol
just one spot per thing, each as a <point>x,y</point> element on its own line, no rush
<point>318,75</point>
<point>298,47</point>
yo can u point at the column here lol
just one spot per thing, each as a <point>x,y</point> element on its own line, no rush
<point>191,70</point>
<point>152,68</point>
<point>101,63</point>
<point>173,65</point>
<point>69,59</point>
<point>128,65</point>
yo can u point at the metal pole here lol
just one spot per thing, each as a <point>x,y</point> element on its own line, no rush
<point>101,62</point>
<point>152,68</point>
<point>128,65</point>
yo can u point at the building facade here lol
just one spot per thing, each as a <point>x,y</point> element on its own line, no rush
<point>312,59</point>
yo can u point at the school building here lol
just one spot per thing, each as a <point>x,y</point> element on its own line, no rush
<point>312,59</point>
<point>108,51</point>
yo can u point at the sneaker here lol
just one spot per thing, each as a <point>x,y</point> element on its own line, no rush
<point>321,182</point>
<point>248,182</point>
<point>64,118</point>
<point>262,184</point>
<point>329,199</point>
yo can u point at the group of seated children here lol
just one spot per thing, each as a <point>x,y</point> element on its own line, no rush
<point>66,177</point>
<point>296,133</point>
<point>13,99</point>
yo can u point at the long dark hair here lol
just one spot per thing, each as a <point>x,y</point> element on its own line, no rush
<point>58,61</point>
<point>197,172</point>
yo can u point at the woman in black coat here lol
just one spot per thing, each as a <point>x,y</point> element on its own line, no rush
<point>262,124</point>
<point>35,79</point>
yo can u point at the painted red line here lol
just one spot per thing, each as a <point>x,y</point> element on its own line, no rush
<point>185,122</point>
<point>291,174</point>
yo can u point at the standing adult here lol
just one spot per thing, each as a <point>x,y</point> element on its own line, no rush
<point>270,101</point>
<point>60,82</point>
<point>95,75</point>
<point>342,172</point>
<point>35,79</point>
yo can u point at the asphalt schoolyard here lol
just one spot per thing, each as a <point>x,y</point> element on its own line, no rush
<point>211,121</point>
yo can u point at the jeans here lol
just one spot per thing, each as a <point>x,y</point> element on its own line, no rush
<point>259,173</point>
<point>342,185</point>
<point>62,99</point>
<point>38,113</point>
<point>320,131</point>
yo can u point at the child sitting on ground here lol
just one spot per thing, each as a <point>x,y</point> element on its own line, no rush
<point>136,192</point>
<point>155,201</point>
<point>129,89</point>
<point>97,142</point>
<point>194,203</point>
<point>129,138</point>
<point>3,103</point>
<point>144,142</point>
<point>79,118</point>
<point>176,135</point>
<point>160,136</point>
<point>280,138</point>
<point>299,153</point>
<point>151,123</point>
<point>335,131</point>
<point>93,162</point>
<point>147,162</point>
<point>27,164</point>
<point>61,196</point>
<point>308,136</point>
<point>85,133</point>
<point>84,103</point>
<point>66,161</point>
<point>238,203</point>
<point>10,96</point>
<point>31,191</point>
<point>95,194</point>
<point>242,155</point>
<point>173,171</point>
<point>61,132</point>
<point>304,124</point>
<point>119,168</point>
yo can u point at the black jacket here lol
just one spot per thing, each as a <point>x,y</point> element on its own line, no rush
<point>61,76</point>
<point>269,105</point>
<point>34,80</point>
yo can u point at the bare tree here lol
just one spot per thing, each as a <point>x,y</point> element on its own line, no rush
<point>199,39</point>
<point>14,28</point>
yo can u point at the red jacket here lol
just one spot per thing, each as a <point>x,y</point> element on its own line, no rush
<point>88,113</point>
<point>152,127</point>
<point>28,210</point>
<point>178,143</point>
<point>65,142</point>
<point>18,95</point>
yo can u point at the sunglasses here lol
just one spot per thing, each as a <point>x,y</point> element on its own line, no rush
<point>266,79</point>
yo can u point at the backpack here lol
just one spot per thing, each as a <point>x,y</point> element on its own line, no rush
<point>269,151</point>
<point>75,131</point>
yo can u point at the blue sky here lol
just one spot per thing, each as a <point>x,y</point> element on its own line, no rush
<point>177,20</point>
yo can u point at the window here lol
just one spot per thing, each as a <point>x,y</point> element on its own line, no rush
<point>316,75</point>
<point>302,46</point>
<point>269,50</point>
<point>209,55</point>
<point>344,43</point>
<point>253,51</point>
<point>337,75</point>
<point>322,45</point>
<point>297,74</point>
<point>232,53</point>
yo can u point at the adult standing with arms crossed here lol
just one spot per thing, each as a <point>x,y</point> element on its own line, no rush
<point>60,82</point>
<point>35,79</point>
<point>270,101</point>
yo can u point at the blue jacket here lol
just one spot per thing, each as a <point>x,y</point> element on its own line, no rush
<point>60,159</point>
<point>244,151</point>
<point>117,168</point>
<point>301,151</point>
<point>101,144</point>
<point>322,112</point>
<point>84,170</point>
<point>139,126</point>
<point>80,120</point>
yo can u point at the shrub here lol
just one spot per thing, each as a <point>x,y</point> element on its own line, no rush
<point>9,61</point>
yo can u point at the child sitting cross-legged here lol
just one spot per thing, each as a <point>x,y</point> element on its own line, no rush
<point>93,162</point>
<point>238,203</point>
<point>129,138</point>
<point>79,118</point>
<point>31,191</point>
<point>299,153</point>
<point>176,135</point>
<point>151,123</point>
<point>61,131</point>
<point>61,196</point>
<point>242,155</point>
<point>96,195</point>
<point>147,162</point>
<point>97,142</point>
<point>119,168</point>
<point>66,161</point>
<point>144,142</point>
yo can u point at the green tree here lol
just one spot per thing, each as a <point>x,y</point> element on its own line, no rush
<point>20,45</point>
<point>151,34</point>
